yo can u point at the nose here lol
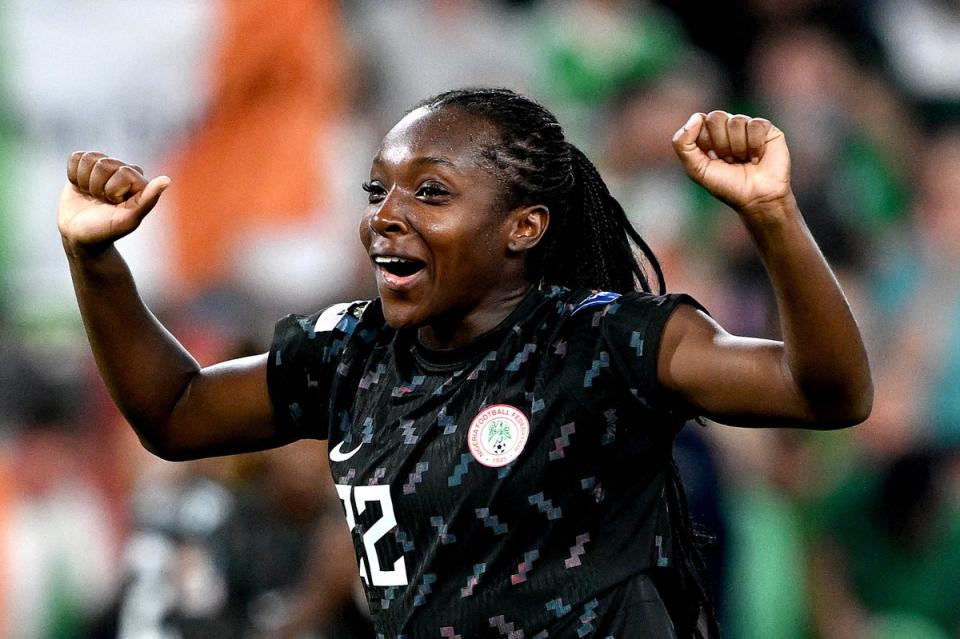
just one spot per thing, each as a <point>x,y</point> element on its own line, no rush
<point>388,218</point>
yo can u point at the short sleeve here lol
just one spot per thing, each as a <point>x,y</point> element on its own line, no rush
<point>632,328</point>
<point>303,359</point>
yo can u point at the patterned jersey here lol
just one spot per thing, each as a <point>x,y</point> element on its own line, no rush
<point>507,488</point>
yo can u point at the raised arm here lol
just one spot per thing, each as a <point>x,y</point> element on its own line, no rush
<point>818,377</point>
<point>178,410</point>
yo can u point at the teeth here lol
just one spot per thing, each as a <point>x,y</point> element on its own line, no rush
<point>391,260</point>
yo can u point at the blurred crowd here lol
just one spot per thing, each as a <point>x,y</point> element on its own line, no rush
<point>266,116</point>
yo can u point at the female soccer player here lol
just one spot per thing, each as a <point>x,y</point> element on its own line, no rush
<point>500,419</point>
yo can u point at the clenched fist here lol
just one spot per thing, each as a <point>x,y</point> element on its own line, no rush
<point>103,200</point>
<point>743,161</point>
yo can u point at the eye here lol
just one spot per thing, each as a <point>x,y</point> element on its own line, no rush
<point>375,191</point>
<point>432,190</point>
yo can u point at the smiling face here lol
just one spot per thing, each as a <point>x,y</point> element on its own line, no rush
<point>446,255</point>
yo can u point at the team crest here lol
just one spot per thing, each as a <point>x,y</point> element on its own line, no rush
<point>497,435</point>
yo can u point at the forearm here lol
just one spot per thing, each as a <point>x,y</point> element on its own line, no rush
<point>823,354</point>
<point>144,367</point>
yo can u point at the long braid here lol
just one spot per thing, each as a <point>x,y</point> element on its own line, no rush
<point>589,243</point>
<point>696,607</point>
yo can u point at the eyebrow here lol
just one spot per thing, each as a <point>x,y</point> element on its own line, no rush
<point>428,160</point>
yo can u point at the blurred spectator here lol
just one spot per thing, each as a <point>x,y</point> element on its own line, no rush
<point>804,80</point>
<point>120,76</point>
<point>615,45</point>
<point>244,546</point>
<point>57,566</point>
<point>888,562</point>
<point>640,166</point>
<point>231,547</point>
<point>917,300</point>
<point>922,41</point>
<point>256,166</point>
<point>773,478</point>
<point>413,49</point>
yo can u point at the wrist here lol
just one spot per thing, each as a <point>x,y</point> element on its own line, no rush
<point>770,211</point>
<point>82,251</point>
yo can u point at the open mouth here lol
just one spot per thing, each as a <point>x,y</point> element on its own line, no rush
<point>400,267</point>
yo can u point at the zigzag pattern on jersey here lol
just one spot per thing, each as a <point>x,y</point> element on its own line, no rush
<point>482,366</point>
<point>424,589</point>
<point>409,432</point>
<point>447,422</point>
<point>610,436</point>
<point>636,342</point>
<point>389,595</point>
<point>491,521</point>
<point>415,478</point>
<point>447,383</point>
<point>602,362</point>
<point>536,403</point>
<point>441,525</point>
<point>503,472</point>
<point>372,377</point>
<point>473,580</point>
<point>447,632</point>
<point>525,567</point>
<point>560,348</point>
<point>378,474</point>
<point>348,477</point>
<point>545,506</point>
<point>412,387</point>
<point>593,485</point>
<point>577,550</point>
<point>558,608</point>
<point>521,357</point>
<point>587,618</point>
<point>460,470</point>
<point>506,629</point>
<point>403,538</point>
<point>561,443</point>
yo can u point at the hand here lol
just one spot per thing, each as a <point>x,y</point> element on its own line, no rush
<point>743,161</point>
<point>103,200</point>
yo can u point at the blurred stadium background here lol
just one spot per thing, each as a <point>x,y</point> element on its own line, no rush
<point>266,115</point>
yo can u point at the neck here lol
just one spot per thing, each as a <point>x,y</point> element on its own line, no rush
<point>453,332</point>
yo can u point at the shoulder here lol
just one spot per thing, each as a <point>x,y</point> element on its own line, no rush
<point>325,333</point>
<point>637,307</point>
<point>345,317</point>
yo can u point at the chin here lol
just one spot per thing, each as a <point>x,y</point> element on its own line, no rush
<point>401,315</point>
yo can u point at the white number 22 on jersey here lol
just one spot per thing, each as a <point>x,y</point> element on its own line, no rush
<point>361,496</point>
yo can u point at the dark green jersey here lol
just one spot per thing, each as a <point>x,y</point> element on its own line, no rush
<point>509,488</point>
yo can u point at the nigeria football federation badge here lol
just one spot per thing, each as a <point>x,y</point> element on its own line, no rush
<point>497,435</point>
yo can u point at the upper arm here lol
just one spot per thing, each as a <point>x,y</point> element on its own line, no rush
<point>225,409</point>
<point>733,380</point>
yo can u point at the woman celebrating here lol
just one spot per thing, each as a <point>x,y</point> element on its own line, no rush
<point>500,420</point>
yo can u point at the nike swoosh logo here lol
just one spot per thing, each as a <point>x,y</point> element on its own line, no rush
<point>338,456</point>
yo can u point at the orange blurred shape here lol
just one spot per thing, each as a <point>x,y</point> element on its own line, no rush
<point>253,162</point>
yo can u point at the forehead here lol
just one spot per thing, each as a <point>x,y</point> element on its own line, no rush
<point>447,133</point>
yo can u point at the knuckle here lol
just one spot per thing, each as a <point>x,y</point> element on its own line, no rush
<point>103,164</point>
<point>91,157</point>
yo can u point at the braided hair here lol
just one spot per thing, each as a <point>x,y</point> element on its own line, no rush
<point>589,243</point>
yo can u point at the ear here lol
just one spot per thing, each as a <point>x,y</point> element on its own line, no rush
<point>526,226</point>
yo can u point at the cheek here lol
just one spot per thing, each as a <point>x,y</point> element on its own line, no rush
<point>364,230</point>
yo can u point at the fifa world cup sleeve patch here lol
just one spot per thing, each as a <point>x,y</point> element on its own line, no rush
<point>599,298</point>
